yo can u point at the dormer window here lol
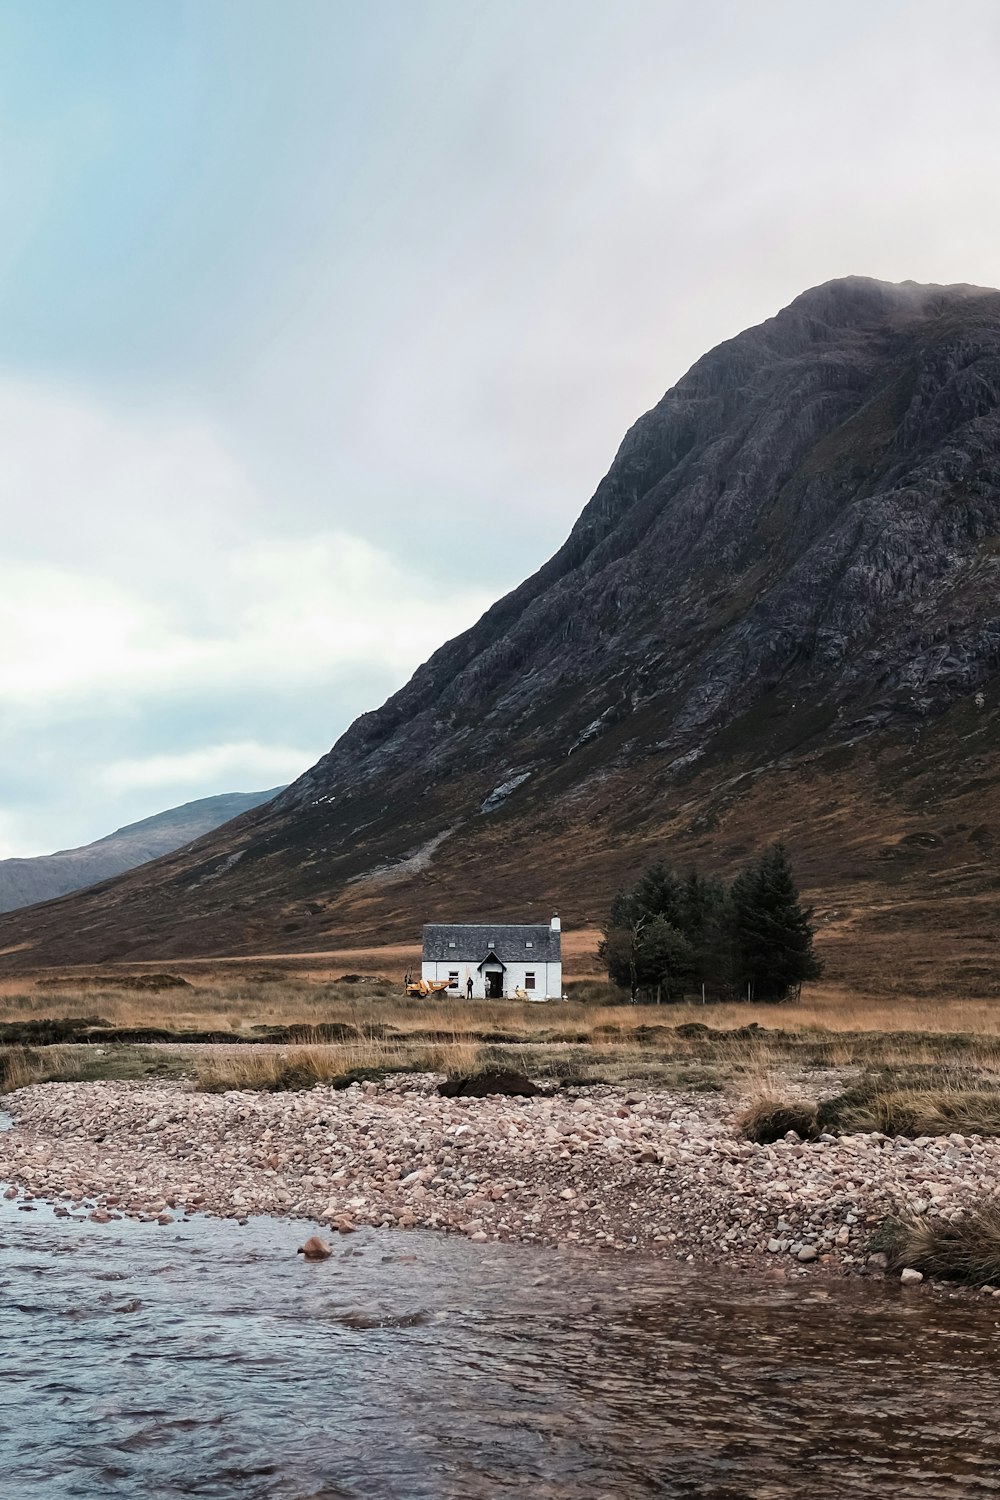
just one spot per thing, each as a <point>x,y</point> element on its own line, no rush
<point>529,943</point>
<point>451,945</point>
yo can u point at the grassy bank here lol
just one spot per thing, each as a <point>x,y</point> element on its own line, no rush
<point>934,1064</point>
<point>20,1066</point>
<point>235,1000</point>
<point>908,1101</point>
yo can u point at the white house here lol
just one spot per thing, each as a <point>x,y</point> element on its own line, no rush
<point>498,958</point>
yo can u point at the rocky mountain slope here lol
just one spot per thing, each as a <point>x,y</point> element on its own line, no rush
<point>24,881</point>
<point>778,615</point>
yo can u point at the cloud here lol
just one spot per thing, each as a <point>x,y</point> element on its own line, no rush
<point>246,766</point>
<point>135,494</point>
<point>165,632</point>
<point>289,610</point>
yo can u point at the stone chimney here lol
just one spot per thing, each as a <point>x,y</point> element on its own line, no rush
<point>555,924</point>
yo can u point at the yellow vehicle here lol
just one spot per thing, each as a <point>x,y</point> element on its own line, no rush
<point>422,989</point>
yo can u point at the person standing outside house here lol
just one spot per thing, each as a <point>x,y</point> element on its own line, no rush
<point>468,988</point>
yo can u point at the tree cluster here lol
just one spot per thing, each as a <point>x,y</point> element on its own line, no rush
<point>670,935</point>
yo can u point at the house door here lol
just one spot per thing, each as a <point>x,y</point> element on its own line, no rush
<point>494,984</point>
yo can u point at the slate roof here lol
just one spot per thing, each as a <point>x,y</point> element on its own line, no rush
<point>473,940</point>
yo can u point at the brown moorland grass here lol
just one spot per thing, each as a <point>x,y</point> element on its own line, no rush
<point>964,1249</point>
<point>18,1068</point>
<point>911,1101</point>
<point>305,1067</point>
<point>594,1035</point>
<point>240,1000</point>
<point>21,1066</point>
<point>932,1110</point>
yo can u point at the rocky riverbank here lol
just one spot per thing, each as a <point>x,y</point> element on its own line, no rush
<point>627,1170</point>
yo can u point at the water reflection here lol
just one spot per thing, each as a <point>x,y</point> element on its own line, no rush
<point>207,1360</point>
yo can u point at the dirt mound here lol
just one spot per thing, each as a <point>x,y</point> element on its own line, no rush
<point>494,1081</point>
<point>116,982</point>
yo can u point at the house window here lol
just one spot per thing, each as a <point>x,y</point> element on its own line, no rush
<point>529,979</point>
<point>529,944</point>
<point>453,979</point>
<point>451,944</point>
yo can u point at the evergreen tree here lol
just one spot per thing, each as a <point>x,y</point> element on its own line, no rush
<point>645,952</point>
<point>664,934</point>
<point>706,922</point>
<point>773,931</point>
<point>667,936</point>
<point>659,893</point>
<point>664,960</point>
<point>619,947</point>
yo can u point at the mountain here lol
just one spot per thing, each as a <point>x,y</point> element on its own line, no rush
<point>25,881</point>
<point>778,616</point>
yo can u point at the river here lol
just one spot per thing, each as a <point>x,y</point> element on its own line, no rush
<point>205,1359</point>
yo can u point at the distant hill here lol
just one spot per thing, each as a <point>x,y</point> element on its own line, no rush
<point>779,616</point>
<point>26,881</point>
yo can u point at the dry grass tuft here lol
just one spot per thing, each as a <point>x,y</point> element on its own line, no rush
<point>916,1099</point>
<point>965,1249</point>
<point>594,992</point>
<point>768,1119</point>
<point>458,1059</point>
<point>920,1112</point>
<point>273,1070</point>
<point>18,1068</point>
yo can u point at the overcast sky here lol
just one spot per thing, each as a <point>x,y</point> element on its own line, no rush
<point>320,322</point>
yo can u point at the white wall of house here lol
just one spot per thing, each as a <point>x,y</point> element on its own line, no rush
<point>541,981</point>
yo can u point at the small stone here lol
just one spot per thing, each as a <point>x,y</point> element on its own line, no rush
<point>910,1277</point>
<point>807,1253</point>
<point>568,1193</point>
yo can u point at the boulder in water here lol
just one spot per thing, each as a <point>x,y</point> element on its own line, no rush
<point>314,1248</point>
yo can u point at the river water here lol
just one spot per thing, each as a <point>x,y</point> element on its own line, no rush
<point>205,1359</point>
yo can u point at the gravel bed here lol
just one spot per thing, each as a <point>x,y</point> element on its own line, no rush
<point>627,1170</point>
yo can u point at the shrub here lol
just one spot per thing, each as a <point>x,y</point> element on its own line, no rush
<point>769,1119</point>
